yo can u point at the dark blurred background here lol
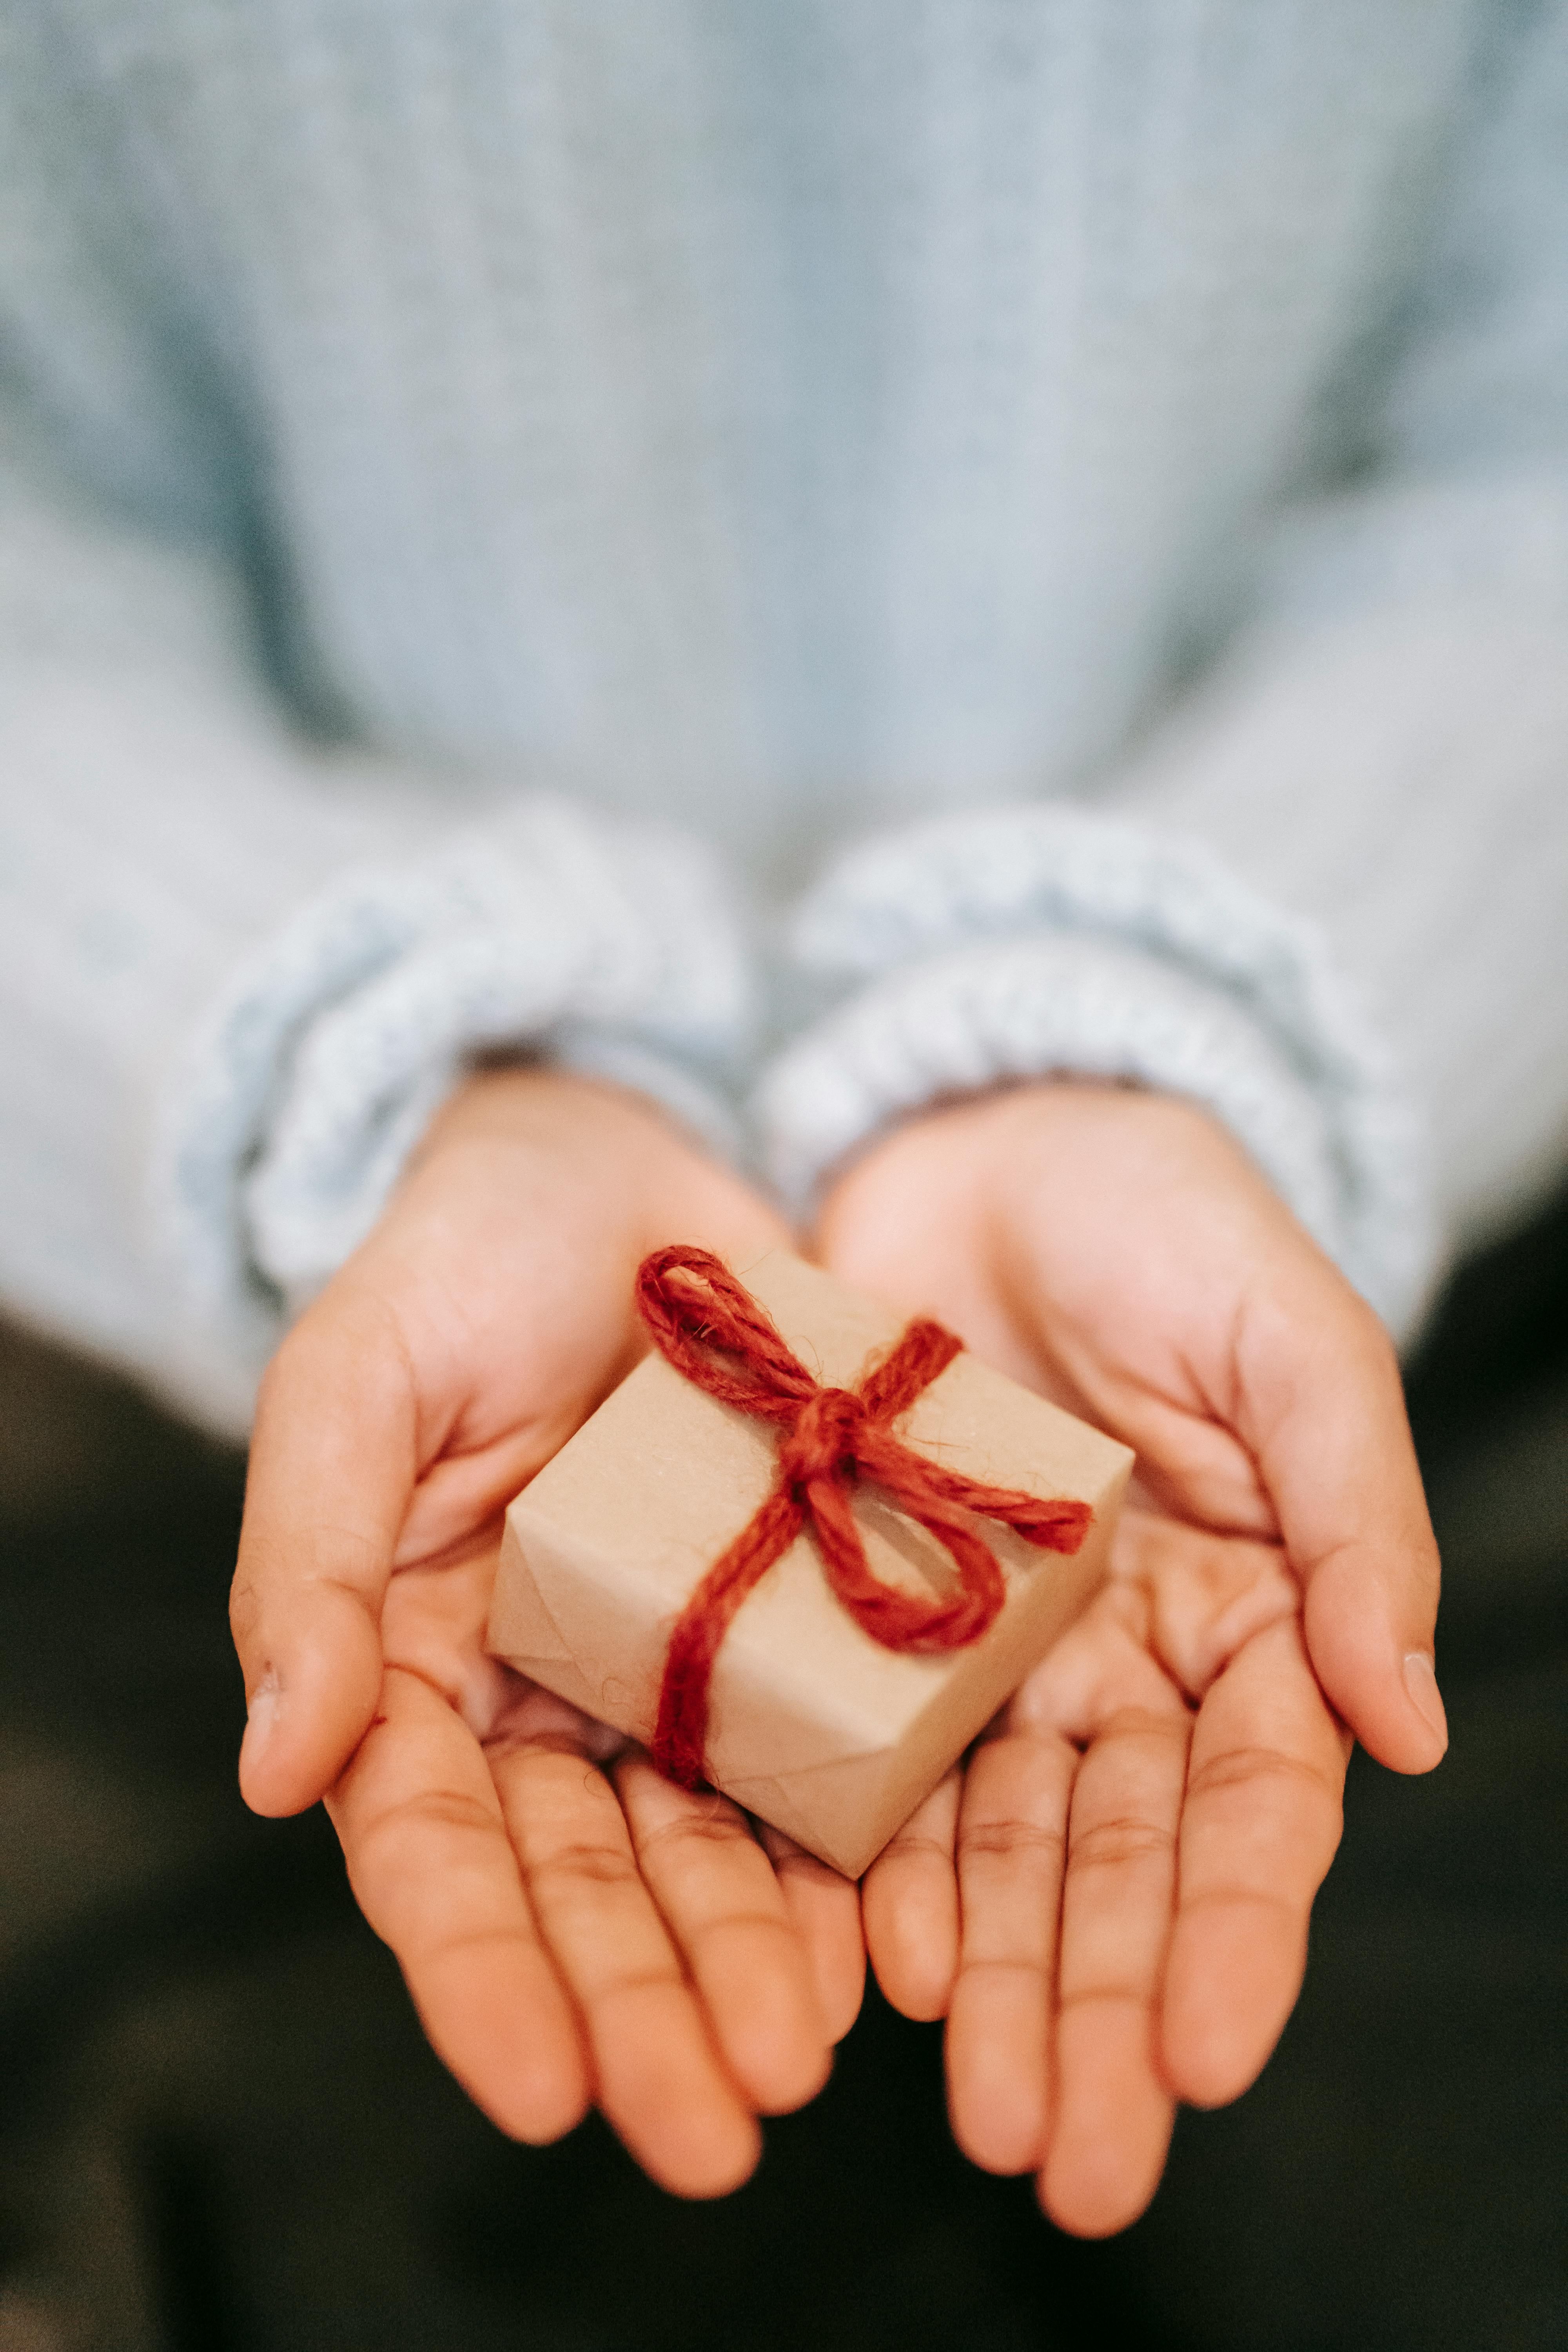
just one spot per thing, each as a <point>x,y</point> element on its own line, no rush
<point>221,2128</point>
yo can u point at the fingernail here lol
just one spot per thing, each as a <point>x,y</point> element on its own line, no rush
<point>1421,1683</point>
<point>260,1722</point>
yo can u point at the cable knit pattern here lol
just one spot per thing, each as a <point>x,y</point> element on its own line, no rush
<point>433,438</point>
<point>1103,949</point>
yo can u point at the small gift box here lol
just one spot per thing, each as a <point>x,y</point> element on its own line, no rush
<point>804,1551</point>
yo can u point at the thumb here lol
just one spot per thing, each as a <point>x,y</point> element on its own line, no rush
<point>333,1467</point>
<point>1334,1448</point>
<point>1370,1637</point>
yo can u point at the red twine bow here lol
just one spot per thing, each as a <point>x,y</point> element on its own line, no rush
<point>713,1331</point>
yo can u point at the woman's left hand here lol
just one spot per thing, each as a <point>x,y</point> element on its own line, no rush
<point>1108,1902</point>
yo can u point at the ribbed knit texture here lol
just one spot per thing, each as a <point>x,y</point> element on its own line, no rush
<point>435,436</point>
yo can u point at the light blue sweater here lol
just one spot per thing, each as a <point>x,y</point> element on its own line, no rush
<point>804,552</point>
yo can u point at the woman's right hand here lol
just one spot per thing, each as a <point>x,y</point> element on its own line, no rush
<point>572,1927</point>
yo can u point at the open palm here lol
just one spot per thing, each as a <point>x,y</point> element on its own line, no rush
<point>1110,1904</point>
<point>570,1925</point>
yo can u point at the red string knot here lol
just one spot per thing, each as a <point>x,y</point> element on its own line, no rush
<point>714,1333</point>
<point>824,1441</point>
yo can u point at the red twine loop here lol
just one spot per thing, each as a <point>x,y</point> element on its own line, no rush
<point>713,1331</point>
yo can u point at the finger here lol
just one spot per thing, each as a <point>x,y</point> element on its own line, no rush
<point>658,2077</point>
<point>432,1871</point>
<point>1325,1411</point>
<point>1011,1837</point>
<point>1259,1827</point>
<point>1112,2122</point>
<point>726,1914</point>
<point>331,1468</point>
<point>825,1908</point>
<point>909,1904</point>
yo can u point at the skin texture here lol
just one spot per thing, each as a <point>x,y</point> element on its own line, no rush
<point>1108,1904</point>
<point>571,1927</point>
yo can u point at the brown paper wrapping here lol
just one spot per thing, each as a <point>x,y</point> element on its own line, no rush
<point>812,1724</point>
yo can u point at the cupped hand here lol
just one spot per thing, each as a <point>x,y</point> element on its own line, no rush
<point>572,1927</point>
<point>1109,1902</point>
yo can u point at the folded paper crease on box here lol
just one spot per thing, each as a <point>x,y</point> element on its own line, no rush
<point>814,1724</point>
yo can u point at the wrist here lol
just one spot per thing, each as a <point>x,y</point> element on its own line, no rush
<point>969,1147</point>
<point>938,1203</point>
<point>631,1164</point>
<point>520,1103</point>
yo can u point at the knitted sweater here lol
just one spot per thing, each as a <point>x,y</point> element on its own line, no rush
<point>805,554</point>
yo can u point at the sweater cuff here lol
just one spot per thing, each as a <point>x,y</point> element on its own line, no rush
<point>609,946</point>
<point>1032,943</point>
